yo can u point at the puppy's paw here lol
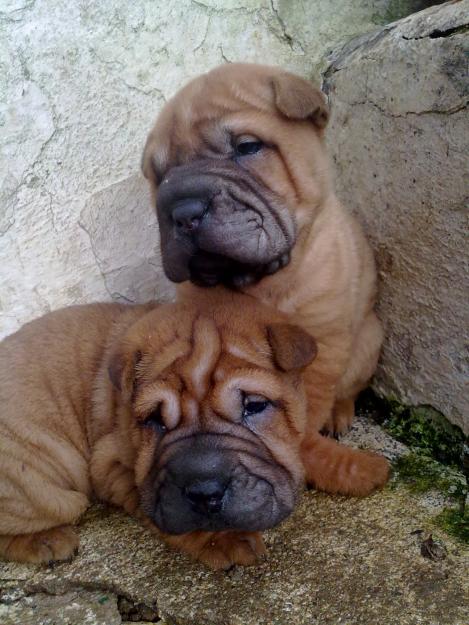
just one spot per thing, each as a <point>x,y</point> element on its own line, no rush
<point>52,545</point>
<point>221,550</point>
<point>367,473</point>
<point>341,419</point>
<point>336,468</point>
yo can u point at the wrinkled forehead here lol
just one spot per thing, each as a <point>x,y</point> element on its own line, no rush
<point>208,108</point>
<point>227,90</point>
<point>206,352</point>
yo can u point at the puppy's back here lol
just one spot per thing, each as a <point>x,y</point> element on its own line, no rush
<point>47,372</point>
<point>47,376</point>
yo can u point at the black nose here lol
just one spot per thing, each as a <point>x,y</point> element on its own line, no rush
<point>188,213</point>
<point>206,496</point>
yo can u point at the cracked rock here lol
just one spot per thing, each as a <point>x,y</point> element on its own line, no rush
<point>399,138</point>
<point>123,235</point>
<point>79,607</point>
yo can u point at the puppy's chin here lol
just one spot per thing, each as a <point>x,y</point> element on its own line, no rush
<point>206,269</point>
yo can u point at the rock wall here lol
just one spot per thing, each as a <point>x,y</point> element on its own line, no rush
<point>399,137</point>
<point>80,85</point>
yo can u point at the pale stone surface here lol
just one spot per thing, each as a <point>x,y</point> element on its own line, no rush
<point>75,607</point>
<point>80,85</point>
<point>335,560</point>
<point>399,137</point>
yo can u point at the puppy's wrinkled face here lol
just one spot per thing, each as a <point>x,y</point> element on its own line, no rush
<point>237,167</point>
<point>218,416</point>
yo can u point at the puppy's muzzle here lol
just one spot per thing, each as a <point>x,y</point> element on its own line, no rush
<point>220,224</point>
<point>205,485</point>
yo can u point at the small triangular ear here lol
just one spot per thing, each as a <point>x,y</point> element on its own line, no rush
<point>296,98</point>
<point>122,369</point>
<point>292,347</point>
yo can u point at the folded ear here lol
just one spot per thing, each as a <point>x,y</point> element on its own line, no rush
<point>296,98</point>
<point>122,369</point>
<point>292,347</point>
<point>147,165</point>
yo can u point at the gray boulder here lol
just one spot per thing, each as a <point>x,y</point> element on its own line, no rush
<point>399,139</point>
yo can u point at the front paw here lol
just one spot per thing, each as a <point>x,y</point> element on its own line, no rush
<point>57,544</point>
<point>368,472</point>
<point>222,550</point>
<point>341,419</point>
<point>336,468</point>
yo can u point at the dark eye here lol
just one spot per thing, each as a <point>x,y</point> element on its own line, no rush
<point>248,145</point>
<point>254,404</point>
<point>155,420</point>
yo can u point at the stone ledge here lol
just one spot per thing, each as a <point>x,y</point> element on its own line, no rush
<point>335,560</point>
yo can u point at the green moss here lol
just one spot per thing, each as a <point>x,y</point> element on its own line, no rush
<point>420,427</point>
<point>438,460</point>
<point>421,474</point>
<point>455,522</point>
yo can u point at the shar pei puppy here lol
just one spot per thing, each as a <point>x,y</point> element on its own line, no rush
<point>242,187</point>
<point>189,416</point>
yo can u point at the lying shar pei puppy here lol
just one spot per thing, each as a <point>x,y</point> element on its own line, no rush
<point>189,416</point>
<point>240,177</point>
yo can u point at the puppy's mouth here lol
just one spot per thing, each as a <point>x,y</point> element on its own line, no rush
<point>209,269</point>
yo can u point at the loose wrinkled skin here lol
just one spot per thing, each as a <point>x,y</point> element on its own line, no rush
<point>189,416</point>
<point>264,219</point>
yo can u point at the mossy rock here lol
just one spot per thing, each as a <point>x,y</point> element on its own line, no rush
<point>420,474</point>
<point>420,427</point>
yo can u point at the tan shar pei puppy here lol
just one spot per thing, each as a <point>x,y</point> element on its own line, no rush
<point>189,416</point>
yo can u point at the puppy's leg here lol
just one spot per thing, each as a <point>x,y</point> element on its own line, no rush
<point>220,550</point>
<point>40,533</point>
<point>43,490</point>
<point>112,477</point>
<point>341,419</point>
<point>361,366</point>
<point>336,468</point>
<point>54,544</point>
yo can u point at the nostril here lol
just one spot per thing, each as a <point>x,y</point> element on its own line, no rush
<point>214,504</point>
<point>188,213</point>
<point>207,495</point>
<point>190,224</point>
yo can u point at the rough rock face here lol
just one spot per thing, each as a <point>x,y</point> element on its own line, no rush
<point>80,85</point>
<point>399,137</point>
<point>336,560</point>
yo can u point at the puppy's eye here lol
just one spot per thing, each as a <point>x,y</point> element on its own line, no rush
<point>247,144</point>
<point>155,420</point>
<point>254,404</point>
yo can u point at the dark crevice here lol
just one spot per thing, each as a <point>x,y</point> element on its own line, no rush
<point>441,34</point>
<point>437,34</point>
<point>131,611</point>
